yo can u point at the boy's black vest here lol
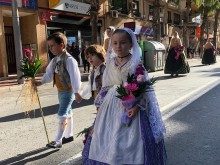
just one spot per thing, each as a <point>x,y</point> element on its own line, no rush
<point>98,79</point>
<point>62,78</point>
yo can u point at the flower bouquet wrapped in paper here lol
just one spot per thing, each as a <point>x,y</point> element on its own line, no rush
<point>30,65</point>
<point>130,92</point>
<point>178,50</point>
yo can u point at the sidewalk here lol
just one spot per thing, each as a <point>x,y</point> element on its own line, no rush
<point>8,84</point>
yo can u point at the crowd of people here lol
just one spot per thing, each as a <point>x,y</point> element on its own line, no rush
<point>109,140</point>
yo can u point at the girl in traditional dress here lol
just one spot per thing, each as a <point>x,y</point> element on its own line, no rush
<point>176,61</point>
<point>112,143</point>
<point>209,53</point>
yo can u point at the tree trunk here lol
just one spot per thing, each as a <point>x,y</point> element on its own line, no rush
<point>93,23</point>
<point>215,29</point>
<point>204,20</point>
<point>156,21</point>
<point>94,12</point>
<point>185,28</point>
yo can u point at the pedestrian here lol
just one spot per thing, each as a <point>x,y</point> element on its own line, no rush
<point>112,142</point>
<point>75,52</point>
<point>108,34</point>
<point>96,57</point>
<point>64,72</point>
<point>84,59</point>
<point>209,53</point>
<point>176,62</point>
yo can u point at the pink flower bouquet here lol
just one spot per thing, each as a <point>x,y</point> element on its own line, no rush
<point>131,91</point>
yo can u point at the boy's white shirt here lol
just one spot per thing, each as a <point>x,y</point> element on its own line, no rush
<point>72,68</point>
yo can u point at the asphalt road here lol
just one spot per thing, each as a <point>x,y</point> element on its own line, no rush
<point>193,133</point>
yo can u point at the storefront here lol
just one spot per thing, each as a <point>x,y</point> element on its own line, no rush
<point>27,11</point>
<point>66,16</point>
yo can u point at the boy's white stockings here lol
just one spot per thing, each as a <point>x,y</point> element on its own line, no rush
<point>69,128</point>
<point>65,128</point>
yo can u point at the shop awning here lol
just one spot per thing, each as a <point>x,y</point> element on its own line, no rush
<point>143,30</point>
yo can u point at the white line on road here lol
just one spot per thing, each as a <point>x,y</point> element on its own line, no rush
<point>182,102</point>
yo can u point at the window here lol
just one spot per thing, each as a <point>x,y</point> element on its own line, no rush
<point>176,19</point>
<point>151,13</point>
<point>136,10</point>
<point>174,1</point>
<point>120,5</point>
<point>169,17</point>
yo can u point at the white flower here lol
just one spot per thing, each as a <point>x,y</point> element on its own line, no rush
<point>140,78</point>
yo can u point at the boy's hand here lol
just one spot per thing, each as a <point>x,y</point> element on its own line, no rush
<point>78,98</point>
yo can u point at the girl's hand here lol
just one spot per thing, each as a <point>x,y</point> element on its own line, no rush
<point>133,111</point>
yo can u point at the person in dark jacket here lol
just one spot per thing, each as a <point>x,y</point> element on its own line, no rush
<point>84,58</point>
<point>74,51</point>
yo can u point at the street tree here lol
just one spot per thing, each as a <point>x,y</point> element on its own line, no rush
<point>216,27</point>
<point>205,8</point>
<point>185,25</point>
<point>94,12</point>
<point>156,21</point>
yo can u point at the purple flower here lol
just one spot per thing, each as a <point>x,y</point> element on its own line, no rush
<point>139,70</point>
<point>125,119</point>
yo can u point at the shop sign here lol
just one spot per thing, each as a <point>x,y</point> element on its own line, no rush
<point>70,6</point>
<point>130,25</point>
<point>198,32</point>
<point>29,4</point>
<point>45,16</point>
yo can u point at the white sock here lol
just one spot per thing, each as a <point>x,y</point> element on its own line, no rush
<point>61,128</point>
<point>69,129</point>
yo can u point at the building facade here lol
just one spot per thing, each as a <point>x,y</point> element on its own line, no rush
<point>38,19</point>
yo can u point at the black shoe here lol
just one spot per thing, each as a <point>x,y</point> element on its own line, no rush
<point>67,140</point>
<point>171,75</point>
<point>54,144</point>
<point>177,75</point>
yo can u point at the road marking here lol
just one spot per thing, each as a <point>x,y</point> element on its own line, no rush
<point>75,159</point>
<point>182,102</point>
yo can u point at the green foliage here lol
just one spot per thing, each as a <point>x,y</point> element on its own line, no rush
<point>207,7</point>
<point>29,68</point>
<point>84,131</point>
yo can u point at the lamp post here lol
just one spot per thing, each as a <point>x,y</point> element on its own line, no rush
<point>17,39</point>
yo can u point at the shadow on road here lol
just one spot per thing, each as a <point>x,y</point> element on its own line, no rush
<point>197,66</point>
<point>21,158</point>
<point>166,77</point>
<point>50,110</point>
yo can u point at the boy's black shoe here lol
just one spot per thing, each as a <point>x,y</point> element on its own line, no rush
<point>54,144</point>
<point>67,140</point>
